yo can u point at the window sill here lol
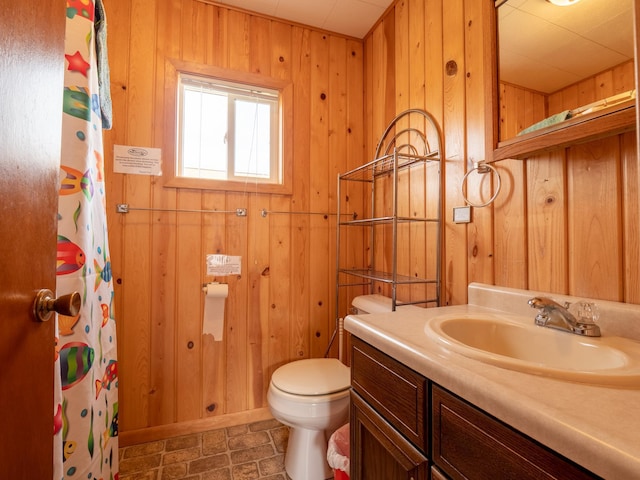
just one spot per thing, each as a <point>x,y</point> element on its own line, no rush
<point>228,186</point>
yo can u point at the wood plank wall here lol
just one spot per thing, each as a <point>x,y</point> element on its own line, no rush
<point>282,306</point>
<point>565,221</point>
<point>437,55</point>
<point>617,80</point>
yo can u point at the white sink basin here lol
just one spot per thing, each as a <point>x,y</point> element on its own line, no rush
<point>538,350</point>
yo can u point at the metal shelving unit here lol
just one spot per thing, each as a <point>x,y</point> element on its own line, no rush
<point>404,148</point>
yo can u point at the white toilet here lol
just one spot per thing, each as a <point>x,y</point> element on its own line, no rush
<point>311,397</point>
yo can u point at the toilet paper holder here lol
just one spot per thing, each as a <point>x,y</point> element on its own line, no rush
<point>205,285</point>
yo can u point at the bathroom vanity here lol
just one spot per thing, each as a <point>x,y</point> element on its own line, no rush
<point>421,410</point>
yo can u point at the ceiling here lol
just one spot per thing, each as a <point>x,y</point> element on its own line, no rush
<point>542,47</point>
<point>348,17</point>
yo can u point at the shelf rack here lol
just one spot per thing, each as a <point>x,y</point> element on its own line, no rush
<point>404,150</point>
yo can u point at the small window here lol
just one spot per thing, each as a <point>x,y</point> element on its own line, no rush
<point>228,131</point>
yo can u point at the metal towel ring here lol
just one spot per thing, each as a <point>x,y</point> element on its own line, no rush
<point>483,168</point>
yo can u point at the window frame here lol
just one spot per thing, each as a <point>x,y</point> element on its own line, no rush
<point>170,144</point>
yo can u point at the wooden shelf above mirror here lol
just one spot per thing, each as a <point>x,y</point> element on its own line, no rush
<point>603,123</point>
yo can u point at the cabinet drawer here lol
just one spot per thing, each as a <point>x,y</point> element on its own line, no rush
<point>470,444</point>
<point>395,391</point>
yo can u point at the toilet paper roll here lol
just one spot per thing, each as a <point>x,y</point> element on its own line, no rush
<point>213,322</point>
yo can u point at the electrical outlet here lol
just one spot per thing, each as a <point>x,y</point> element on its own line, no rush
<point>462,214</point>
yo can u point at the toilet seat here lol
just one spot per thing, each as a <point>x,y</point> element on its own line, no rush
<point>313,376</point>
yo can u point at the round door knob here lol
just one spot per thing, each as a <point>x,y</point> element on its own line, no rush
<point>45,305</point>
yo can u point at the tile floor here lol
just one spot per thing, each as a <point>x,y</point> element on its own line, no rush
<point>243,452</point>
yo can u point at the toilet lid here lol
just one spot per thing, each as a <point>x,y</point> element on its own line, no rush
<point>314,376</point>
<point>374,303</point>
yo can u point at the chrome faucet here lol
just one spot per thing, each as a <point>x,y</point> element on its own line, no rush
<point>553,315</point>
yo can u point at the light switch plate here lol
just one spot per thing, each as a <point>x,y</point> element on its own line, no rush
<point>462,214</point>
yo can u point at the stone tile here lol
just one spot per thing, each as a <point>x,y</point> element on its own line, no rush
<point>246,471</point>
<point>237,430</point>
<point>280,438</point>
<point>249,440</point>
<point>150,475</point>
<point>186,441</point>
<point>143,449</point>
<point>181,456</point>
<point>264,425</point>
<point>243,452</point>
<point>214,442</point>
<point>251,454</point>
<point>208,463</point>
<point>220,474</point>
<point>174,472</point>
<point>272,465</point>
<point>140,464</point>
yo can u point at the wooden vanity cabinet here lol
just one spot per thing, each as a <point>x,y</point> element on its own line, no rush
<point>469,444</point>
<point>389,411</point>
<point>404,426</point>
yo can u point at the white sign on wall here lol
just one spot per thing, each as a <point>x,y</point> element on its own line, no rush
<point>221,265</point>
<point>137,160</point>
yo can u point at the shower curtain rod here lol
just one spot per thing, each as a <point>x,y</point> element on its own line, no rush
<point>125,208</point>
<point>240,212</point>
<point>264,212</point>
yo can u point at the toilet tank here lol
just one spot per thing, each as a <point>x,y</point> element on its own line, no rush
<point>374,303</point>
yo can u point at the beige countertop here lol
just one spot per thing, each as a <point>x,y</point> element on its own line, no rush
<point>596,427</point>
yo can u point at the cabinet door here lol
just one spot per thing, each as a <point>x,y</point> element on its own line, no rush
<point>378,451</point>
<point>469,444</point>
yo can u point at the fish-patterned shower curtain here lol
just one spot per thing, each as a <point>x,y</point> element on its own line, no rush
<point>86,397</point>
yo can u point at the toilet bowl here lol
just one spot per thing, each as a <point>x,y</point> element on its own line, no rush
<point>311,397</point>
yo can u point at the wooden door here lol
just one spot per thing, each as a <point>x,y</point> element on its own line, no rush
<point>31,80</point>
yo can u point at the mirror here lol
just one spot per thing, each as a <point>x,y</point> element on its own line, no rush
<point>560,62</point>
